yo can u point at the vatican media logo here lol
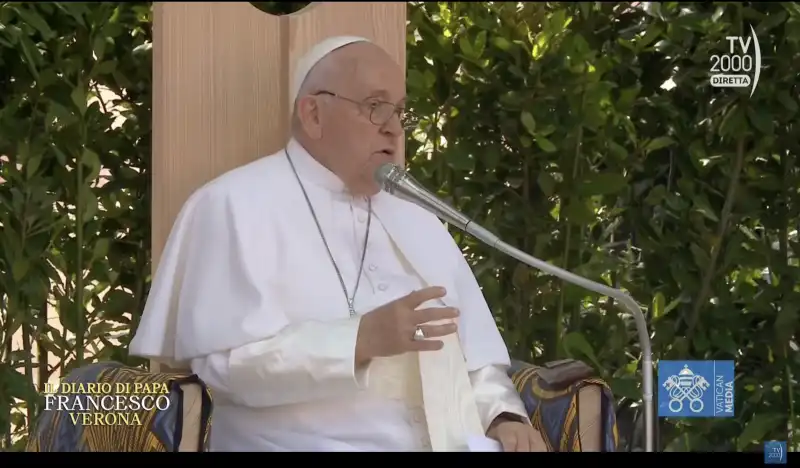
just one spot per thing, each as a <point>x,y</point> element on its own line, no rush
<point>733,70</point>
<point>695,389</point>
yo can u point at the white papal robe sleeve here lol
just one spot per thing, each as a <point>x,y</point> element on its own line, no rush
<point>495,394</point>
<point>486,354</point>
<point>215,303</point>
<point>304,362</point>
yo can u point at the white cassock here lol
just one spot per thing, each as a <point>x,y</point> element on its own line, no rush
<point>245,294</point>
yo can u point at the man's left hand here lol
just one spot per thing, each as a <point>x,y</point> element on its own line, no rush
<point>516,436</point>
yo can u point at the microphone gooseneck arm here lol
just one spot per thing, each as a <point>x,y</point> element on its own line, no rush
<point>397,182</point>
<point>622,297</point>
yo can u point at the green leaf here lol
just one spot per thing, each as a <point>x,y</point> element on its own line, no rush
<point>652,33</point>
<point>28,14</point>
<point>701,205</point>
<point>15,383</point>
<point>74,10</point>
<point>20,268</point>
<point>658,143</point>
<point>734,123</point>
<point>757,428</point>
<point>761,120</point>
<point>701,258</point>
<point>460,160</point>
<point>601,183</point>
<point>547,183</point>
<point>786,322</point>
<point>617,151</point>
<point>99,330</point>
<point>575,341</point>
<point>501,43</point>
<point>546,130</point>
<point>578,213</point>
<point>465,46</point>
<point>657,309</point>
<point>770,21</point>
<point>787,101</point>
<point>415,80</point>
<point>32,55</point>
<point>99,47</point>
<point>480,44</point>
<point>104,68</point>
<point>32,164</point>
<point>627,97</point>
<point>78,97</point>
<point>656,195</point>
<point>723,341</point>
<point>527,121</point>
<point>91,160</point>
<point>545,145</point>
<point>100,249</point>
<point>671,306</point>
<point>90,204</point>
<point>625,387</point>
<point>117,303</point>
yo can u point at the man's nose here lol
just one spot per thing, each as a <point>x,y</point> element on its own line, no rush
<point>393,127</point>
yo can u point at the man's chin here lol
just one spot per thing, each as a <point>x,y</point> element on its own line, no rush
<point>365,190</point>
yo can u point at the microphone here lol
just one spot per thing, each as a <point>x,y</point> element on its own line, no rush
<point>395,181</point>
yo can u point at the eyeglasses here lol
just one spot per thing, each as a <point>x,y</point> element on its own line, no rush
<point>380,112</point>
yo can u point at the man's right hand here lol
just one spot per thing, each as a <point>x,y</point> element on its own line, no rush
<point>389,329</point>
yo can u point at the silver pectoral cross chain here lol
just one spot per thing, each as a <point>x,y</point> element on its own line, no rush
<point>350,300</point>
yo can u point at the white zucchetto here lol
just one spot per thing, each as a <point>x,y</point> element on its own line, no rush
<point>313,56</point>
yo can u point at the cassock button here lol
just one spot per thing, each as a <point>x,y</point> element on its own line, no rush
<point>362,218</point>
<point>383,286</point>
<point>373,267</point>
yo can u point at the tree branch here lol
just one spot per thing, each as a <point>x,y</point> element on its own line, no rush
<point>722,229</point>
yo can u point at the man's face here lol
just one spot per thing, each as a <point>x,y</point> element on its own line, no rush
<point>359,129</point>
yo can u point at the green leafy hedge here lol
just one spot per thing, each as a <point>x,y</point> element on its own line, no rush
<point>584,133</point>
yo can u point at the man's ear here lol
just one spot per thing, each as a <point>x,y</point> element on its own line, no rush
<point>308,114</point>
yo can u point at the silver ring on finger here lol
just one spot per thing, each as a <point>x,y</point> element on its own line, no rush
<point>419,335</point>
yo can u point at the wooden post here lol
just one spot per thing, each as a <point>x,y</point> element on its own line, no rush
<point>221,74</point>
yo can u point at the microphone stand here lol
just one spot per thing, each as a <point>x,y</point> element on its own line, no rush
<point>399,183</point>
<point>626,300</point>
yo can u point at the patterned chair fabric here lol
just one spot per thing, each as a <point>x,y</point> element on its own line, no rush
<point>550,394</point>
<point>160,431</point>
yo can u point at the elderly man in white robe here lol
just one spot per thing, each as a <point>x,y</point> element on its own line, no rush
<point>323,313</point>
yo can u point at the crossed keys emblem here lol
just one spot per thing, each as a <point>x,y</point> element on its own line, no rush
<point>686,386</point>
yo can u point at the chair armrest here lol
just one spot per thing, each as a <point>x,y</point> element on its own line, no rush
<point>571,408</point>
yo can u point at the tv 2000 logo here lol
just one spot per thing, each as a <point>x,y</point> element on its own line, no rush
<point>733,70</point>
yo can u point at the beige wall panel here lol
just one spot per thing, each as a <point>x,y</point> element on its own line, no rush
<point>221,76</point>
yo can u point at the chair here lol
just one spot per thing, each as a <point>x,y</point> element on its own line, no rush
<point>184,426</point>
<point>573,411</point>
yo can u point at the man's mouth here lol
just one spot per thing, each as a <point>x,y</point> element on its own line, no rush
<point>388,152</point>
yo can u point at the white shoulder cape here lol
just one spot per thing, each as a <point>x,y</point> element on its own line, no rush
<point>242,255</point>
